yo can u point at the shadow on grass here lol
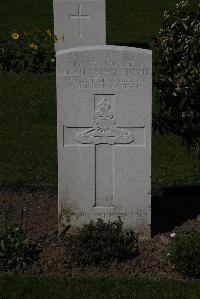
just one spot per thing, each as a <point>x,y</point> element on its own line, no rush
<point>173,206</point>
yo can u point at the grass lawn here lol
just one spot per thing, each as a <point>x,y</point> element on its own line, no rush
<point>28,130</point>
<point>93,288</point>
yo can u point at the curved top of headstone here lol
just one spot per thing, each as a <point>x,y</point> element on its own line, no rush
<point>99,67</point>
<point>106,48</point>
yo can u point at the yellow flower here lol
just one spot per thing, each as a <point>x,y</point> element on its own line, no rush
<point>33,46</point>
<point>15,35</point>
<point>180,84</point>
<point>49,32</point>
<point>163,40</point>
<point>59,39</point>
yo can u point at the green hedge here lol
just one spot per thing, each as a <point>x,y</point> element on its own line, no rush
<point>177,74</point>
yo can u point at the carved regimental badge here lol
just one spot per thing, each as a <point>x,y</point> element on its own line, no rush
<point>105,129</point>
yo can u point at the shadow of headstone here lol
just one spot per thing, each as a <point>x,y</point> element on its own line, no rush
<point>142,45</point>
<point>173,206</point>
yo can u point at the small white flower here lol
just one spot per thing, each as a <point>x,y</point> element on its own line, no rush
<point>168,254</point>
<point>197,27</point>
<point>166,14</point>
<point>182,4</point>
<point>172,235</point>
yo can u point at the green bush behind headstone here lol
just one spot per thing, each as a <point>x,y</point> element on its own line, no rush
<point>177,74</point>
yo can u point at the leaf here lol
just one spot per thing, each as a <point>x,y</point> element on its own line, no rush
<point>17,244</point>
<point>174,24</point>
<point>2,244</point>
<point>185,26</point>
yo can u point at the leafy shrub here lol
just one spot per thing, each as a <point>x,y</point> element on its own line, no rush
<point>28,51</point>
<point>15,250</point>
<point>177,74</point>
<point>184,253</point>
<point>100,243</point>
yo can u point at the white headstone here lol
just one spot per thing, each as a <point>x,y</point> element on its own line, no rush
<point>79,23</point>
<point>104,96</point>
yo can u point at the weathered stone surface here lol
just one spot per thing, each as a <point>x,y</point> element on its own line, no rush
<point>104,96</point>
<point>79,23</point>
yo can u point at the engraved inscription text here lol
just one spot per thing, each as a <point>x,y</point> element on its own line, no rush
<point>104,74</point>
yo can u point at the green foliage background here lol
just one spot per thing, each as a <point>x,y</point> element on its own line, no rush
<point>177,74</point>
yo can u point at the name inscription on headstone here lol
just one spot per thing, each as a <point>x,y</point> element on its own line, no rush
<point>120,214</point>
<point>104,74</point>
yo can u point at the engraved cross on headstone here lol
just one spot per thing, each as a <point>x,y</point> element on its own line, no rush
<point>104,136</point>
<point>79,17</point>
